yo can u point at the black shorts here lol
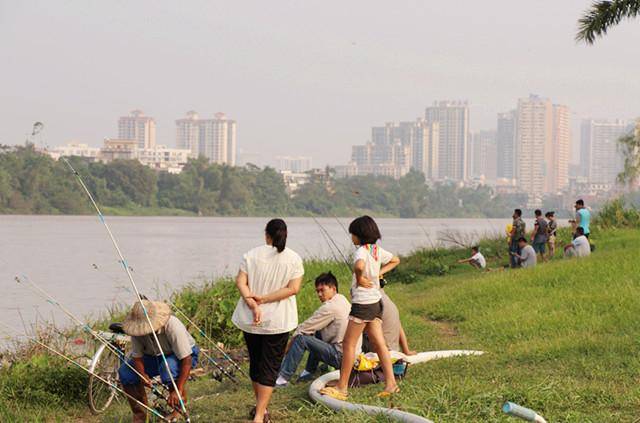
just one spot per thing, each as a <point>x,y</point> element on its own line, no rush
<point>362,313</point>
<point>265,356</point>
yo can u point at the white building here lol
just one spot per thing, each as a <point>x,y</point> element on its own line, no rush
<point>542,146</point>
<point>483,156</point>
<point>138,127</point>
<point>395,149</point>
<point>293,164</point>
<point>452,118</point>
<point>506,146</point>
<point>600,156</point>
<point>74,149</point>
<point>160,157</point>
<point>214,138</point>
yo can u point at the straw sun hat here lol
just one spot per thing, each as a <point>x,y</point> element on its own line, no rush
<point>136,324</point>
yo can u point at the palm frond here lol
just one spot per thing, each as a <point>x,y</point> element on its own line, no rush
<point>602,15</point>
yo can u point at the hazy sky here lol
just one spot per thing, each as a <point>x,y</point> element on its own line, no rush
<point>301,77</point>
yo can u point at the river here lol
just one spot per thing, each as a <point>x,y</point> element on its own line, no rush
<point>59,254</point>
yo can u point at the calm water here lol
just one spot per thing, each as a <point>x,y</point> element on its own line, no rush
<point>59,253</point>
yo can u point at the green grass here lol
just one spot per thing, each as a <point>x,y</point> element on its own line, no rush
<point>562,338</point>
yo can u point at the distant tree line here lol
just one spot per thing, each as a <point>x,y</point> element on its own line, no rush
<point>33,183</point>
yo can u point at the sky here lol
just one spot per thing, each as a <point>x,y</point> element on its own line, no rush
<point>300,77</point>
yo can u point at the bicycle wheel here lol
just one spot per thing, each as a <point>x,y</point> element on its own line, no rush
<point>104,364</point>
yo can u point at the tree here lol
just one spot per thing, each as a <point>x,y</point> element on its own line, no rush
<point>602,15</point>
<point>630,145</point>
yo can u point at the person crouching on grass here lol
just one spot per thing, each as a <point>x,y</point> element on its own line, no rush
<point>371,262</point>
<point>177,345</point>
<point>476,260</point>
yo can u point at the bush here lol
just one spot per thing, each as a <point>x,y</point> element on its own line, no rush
<point>43,380</point>
<point>616,214</point>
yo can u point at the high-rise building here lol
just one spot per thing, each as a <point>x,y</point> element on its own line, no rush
<point>600,156</point>
<point>425,149</point>
<point>214,138</point>
<point>188,133</point>
<point>453,123</point>
<point>138,127</point>
<point>483,155</point>
<point>533,146</point>
<point>506,146</point>
<point>398,147</point>
<point>293,164</point>
<point>558,165</point>
<point>542,146</point>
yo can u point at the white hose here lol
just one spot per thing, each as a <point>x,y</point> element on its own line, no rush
<point>402,416</point>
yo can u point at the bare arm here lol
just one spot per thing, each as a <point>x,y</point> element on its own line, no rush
<point>390,265</point>
<point>292,288</point>
<point>464,260</point>
<point>138,364</point>
<point>242,282</point>
<point>361,280</point>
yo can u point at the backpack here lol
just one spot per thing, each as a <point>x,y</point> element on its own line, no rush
<point>376,375</point>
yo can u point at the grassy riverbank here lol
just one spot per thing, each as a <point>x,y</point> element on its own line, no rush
<point>561,338</point>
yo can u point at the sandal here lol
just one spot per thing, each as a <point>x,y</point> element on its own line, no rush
<point>387,394</point>
<point>334,393</point>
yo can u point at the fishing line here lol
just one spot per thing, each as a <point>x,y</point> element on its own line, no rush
<point>72,361</point>
<point>211,359</point>
<point>51,300</point>
<point>135,288</point>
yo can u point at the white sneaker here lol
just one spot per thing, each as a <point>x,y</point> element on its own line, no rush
<point>281,382</point>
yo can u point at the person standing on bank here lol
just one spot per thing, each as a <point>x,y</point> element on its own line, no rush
<point>371,262</point>
<point>268,280</point>
<point>518,230</point>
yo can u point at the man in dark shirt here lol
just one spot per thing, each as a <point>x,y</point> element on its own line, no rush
<point>540,235</point>
<point>517,231</point>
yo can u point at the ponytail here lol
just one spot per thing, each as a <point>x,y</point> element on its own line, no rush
<point>277,231</point>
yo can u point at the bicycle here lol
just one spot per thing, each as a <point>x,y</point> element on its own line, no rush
<point>105,364</point>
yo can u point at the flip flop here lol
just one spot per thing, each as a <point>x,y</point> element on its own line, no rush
<point>387,394</point>
<point>334,393</point>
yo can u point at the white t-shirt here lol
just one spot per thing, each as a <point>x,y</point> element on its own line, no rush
<point>374,258</point>
<point>268,271</point>
<point>479,258</point>
<point>581,245</point>
<point>528,257</point>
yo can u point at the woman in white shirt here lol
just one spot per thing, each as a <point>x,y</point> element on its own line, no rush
<point>268,280</point>
<point>371,262</point>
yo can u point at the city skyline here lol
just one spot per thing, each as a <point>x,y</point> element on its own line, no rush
<point>354,70</point>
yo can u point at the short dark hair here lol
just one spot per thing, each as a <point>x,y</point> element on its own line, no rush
<point>327,279</point>
<point>538,212</point>
<point>475,248</point>
<point>365,228</point>
<point>580,202</point>
<point>518,212</point>
<point>522,239</point>
<point>580,230</point>
<point>549,214</point>
<point>277,231</point>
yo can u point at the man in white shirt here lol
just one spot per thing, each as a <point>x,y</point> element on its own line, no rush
<point>321,334</point>
<point>527,256</point>
<point>476,260</point>
<point>580,246</point>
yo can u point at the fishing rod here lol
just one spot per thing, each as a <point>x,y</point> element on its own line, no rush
<point>51,300</point>
<point>72,361</point>
<point>211,359</point>
<point>135,288</point>
<point>203,334</point>
<point>328,235</point>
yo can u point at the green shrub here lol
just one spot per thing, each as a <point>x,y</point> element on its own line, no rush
<point>43,380</point>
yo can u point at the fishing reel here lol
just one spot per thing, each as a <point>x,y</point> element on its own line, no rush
<point>219,374</point>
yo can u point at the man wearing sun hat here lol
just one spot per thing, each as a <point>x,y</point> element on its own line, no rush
<point>177,345</point>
